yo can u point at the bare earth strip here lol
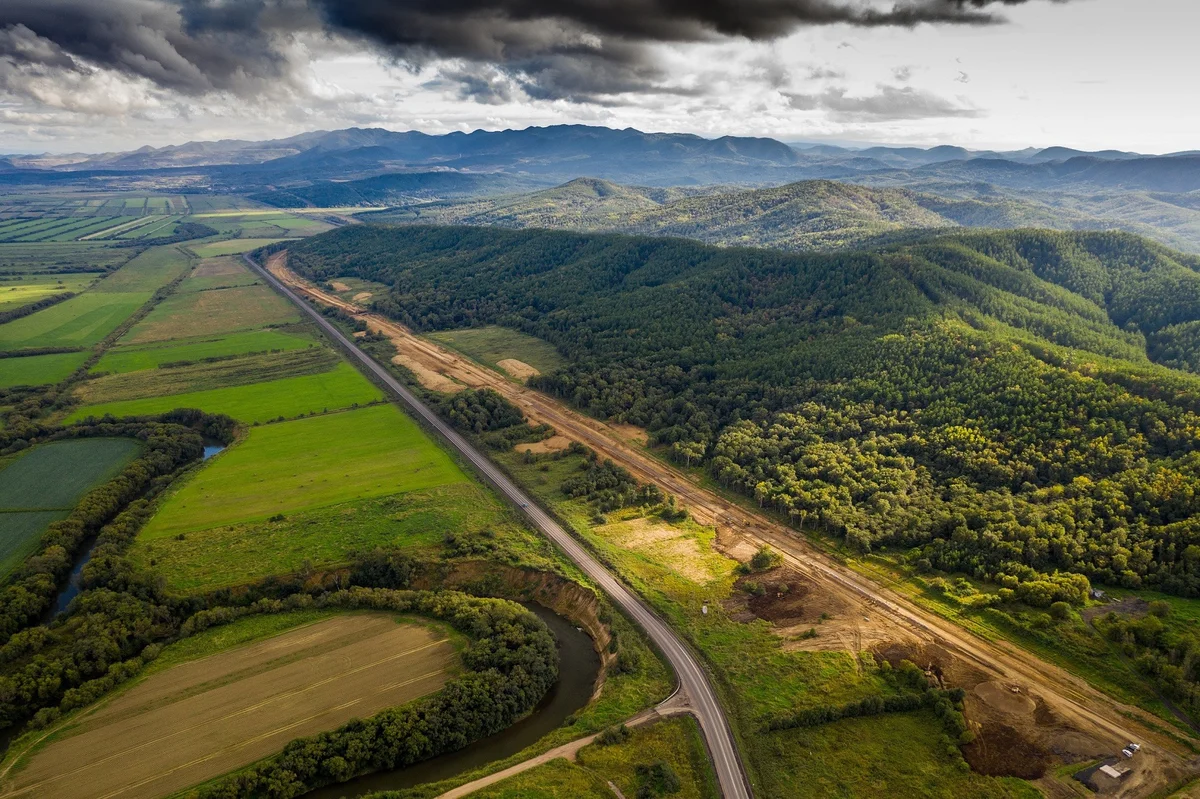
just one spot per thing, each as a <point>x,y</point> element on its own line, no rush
<point>199,720</point>
<point>1099,724</point>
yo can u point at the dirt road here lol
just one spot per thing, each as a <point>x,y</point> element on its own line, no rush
<point>1106,723</point>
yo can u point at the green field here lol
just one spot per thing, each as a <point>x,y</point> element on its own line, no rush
<point>290,397</point>
<point>894,755</point>
<point>36,370</point>
<point>81,321</point>
<point>218,273</point>
<point>133,358</point>
<point>308,463</point>
<point>234,554</point>
<point>197,377</point>
<point>32,288</point>
<point>490,345</point>
<point>675,742</point>
<point>230,247</point>
<point>22,529</point>
<point>44,483</point>
<point>53,257</point>
<point>149,271</point>
<point>203,313</point>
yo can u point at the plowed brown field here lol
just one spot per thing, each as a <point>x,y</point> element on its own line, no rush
<point>201,719</point>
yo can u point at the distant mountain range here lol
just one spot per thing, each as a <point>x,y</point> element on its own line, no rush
<point>545,156</point>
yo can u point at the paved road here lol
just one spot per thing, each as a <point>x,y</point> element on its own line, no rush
<point>693,680</point>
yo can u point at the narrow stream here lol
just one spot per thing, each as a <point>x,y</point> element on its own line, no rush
<point>73,586</point>
<point>579,665</point>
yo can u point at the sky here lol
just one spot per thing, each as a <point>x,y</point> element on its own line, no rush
<point>111,75</point>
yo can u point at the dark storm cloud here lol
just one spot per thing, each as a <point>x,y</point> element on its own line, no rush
<point>572,49</point>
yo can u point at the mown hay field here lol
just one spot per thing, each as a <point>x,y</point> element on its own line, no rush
<point>42,484</point>
<point>81,321</point>
<point>211,312</point>
<point>340,387</point>
<point>308,463</point>
<point>132,358</point>
<point>184,725</point>
<point>37,370</point>
<point>491,344</point>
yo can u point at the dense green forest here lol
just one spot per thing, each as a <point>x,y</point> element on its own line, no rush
<point>987,401</point>
<point>810,214</point>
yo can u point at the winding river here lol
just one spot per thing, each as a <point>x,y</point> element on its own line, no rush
<point>579,666</point>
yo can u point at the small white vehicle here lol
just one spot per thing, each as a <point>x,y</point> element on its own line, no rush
<point>1127,753</point>
<point>1134,747</point>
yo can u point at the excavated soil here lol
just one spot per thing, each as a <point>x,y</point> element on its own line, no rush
<point>518,369</point>
<point>362,295</point>
<point>1001,751</point>
<point>1003,698</point>
<point>551,444</point>
<point>339,285</point>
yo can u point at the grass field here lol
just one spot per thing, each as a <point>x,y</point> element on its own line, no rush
<point>230,247</point>
<point>81,321</point>
<point>133,358</point>
<point>194,378</point>
<point>75,257</point>
<point>415,522</point>
<point>149,271</point>
<point>36,370</point>
<point>894,755</point>
<point>217,273</point>
<point>675,742</point>
<point>22,529</point>
<point>212,312</point>
<point>50,479</point>
<point>490,345</point>
<point>341,387</point>
<point>202,718</point>
<point>308,463</point>
<point>32,288</point>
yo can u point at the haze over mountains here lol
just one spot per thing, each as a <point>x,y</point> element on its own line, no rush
<point>550,155</point>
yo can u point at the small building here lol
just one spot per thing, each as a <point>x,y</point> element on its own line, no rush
<point>1116,772</point>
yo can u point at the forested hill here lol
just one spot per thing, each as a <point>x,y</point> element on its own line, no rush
<point>988,398</point>
<point>811,214</point>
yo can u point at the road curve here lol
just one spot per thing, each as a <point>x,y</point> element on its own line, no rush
<point>693,679</point>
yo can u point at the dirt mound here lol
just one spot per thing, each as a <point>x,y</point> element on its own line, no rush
<point>784,599</point>
<point>551,444</point>
<point>1004,698</point>
<point>1133,606</point>
<point>339,285</point>
<point>518,369</point>
<point>1000,751</point>
<point>362,295</point>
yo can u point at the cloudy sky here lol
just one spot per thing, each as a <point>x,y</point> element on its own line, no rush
<point>93,75</point>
